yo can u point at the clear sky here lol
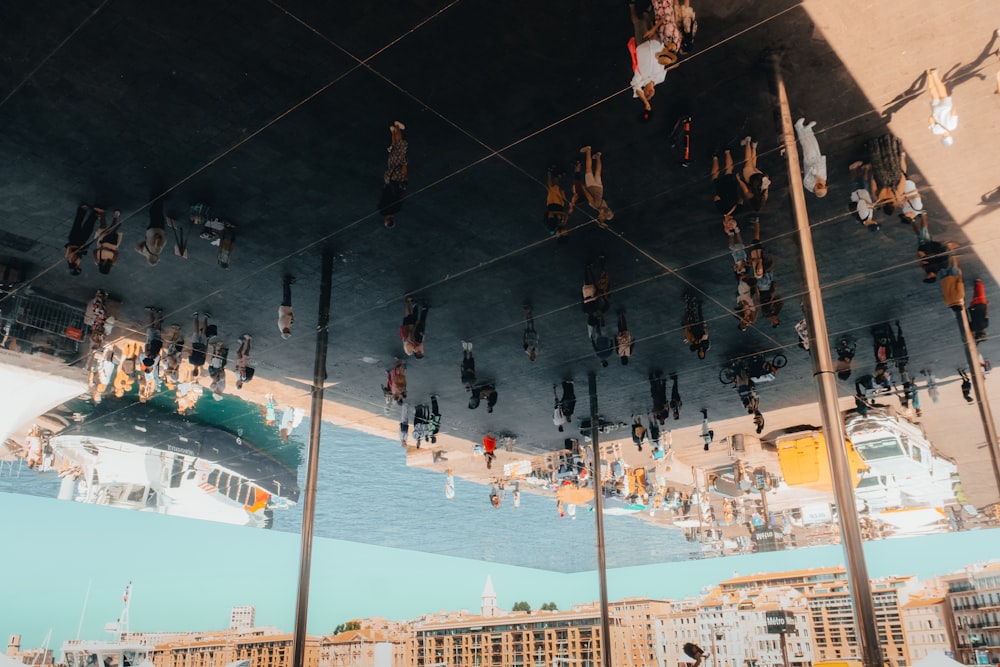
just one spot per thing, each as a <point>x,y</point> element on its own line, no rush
<point>187,574</point>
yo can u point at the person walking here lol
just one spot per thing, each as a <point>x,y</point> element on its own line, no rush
<point>421,424</point>
<point>434,426</point>
<point>154,339</point>
<point>530,338</point>
<point>79,237</point>
<point>411,332</point>
<point>966,385</point>
<point>658,392</point>
<point>489,449</point>
<point>813,160</point>
<point>483,390</point>
<point>556,213</point>
<point>675,397</point>
<point>218,357</point>
<point>943,119</point>
<point>285,315</point>
<point>199,343</point>
<point>707,434</point>
<point>396,176</point>
<point>754,183</point>
<point>468,366</point>
<point>592,188</point>
<point>568,401</point>
<point>395,386</point>
<point>156,237</point>
<point>558,417</point>
<point>602,345</point>
<point>746,304</point>
<point>695,329</point>
<point>624,339</point>
<point>952,285</point>
<point>861,198</point>
<point>979,312</point>
<point>727,191</point>
<point>108,239</point>
<point>449,484</point>
<point>638,432</point>
<point>404,424</point>
<point>244,371</point>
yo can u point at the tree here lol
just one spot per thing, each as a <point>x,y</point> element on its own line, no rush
<point>522,606</point>
<point>550,606</point>
<point>344,627</point>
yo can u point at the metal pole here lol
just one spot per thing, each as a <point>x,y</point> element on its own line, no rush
<point>701,517</point>
<point>826,384</point>
<point>784,648</point>
<point>979,385</point>
<point>602,572</point>
<point>312,462</point>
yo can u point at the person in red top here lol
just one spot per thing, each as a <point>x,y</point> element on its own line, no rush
<point>489,449</point>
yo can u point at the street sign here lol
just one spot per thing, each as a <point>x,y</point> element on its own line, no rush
<point>779,621</point>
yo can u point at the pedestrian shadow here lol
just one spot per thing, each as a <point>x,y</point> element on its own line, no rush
<point>905,97</point>
<point>989,202</point>
<point>959,73</point>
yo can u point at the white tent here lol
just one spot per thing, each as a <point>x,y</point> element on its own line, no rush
<point>937,659</point>
<point>33,386</point>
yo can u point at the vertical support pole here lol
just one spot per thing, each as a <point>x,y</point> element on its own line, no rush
<point>312,462</point>
<point>784,648</point>
<point>979,386</point>
<point>826,383</point>
<point>602,571</point>
<point>701,516</point>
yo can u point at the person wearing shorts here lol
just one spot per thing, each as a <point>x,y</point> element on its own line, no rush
<point>199,343</point>
<point>592,187</point>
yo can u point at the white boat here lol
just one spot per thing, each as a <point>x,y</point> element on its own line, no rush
<point>152,460</point>
<point>107,653</point>
<point>117,652</point>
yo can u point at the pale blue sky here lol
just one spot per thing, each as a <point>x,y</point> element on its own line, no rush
<point>187,574</point>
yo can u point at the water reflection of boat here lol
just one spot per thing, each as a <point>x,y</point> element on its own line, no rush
<point>149,459</point>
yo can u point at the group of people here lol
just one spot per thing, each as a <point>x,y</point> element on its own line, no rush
<point>588,186</point>
<point>663,30</point>
<point>159,363</point>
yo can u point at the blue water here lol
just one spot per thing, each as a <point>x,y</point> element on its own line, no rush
<point>366,493</point>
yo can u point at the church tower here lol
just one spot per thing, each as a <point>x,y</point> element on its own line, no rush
<point>489,599</point>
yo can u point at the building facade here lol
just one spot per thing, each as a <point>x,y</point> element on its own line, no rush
<point>928,627</point>
<point>831,610</point>
<point>260,648</point>
<point>500,638</point>
<point>974,600</point>
<point>242,617</point>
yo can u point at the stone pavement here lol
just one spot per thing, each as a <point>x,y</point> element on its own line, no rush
<point>276,115</point>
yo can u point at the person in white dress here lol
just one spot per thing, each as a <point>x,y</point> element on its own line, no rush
<point>943,119</point>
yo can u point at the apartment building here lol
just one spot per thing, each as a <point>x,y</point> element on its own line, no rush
<point>831,610</point>
<point>262,650</point>
<point>496,637</point>
<point>242,617</point>
<point>928,627</point>
<point>974,600</point>
<point>377,643</point>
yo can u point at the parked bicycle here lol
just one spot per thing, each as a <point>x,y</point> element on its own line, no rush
<point>757,368</point>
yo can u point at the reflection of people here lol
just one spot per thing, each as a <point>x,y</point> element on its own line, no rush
<point>943,118</point>
<point>449,485</point>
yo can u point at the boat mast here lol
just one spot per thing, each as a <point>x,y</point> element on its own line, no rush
<point>83,612</point>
